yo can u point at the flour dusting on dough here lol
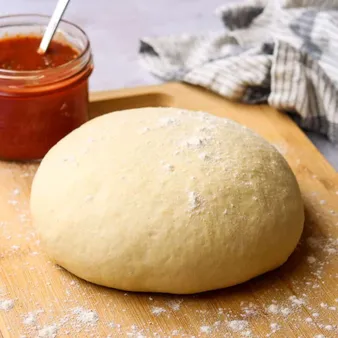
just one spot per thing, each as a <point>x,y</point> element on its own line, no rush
<point>194,142</point>
<point>194,200</point>
<point>167,121</point>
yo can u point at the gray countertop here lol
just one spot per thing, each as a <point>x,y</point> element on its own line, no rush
<point>114,28</point>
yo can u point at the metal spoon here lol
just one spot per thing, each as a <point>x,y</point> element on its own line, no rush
<point>53,25</point>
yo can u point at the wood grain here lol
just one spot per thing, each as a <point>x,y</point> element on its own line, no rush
<point>300,299</point>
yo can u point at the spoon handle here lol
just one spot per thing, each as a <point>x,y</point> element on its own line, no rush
<point>53,25</point>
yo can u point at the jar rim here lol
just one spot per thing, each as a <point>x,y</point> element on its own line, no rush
<point>36,74</point>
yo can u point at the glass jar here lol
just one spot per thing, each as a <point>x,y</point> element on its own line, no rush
<point>38,108</point>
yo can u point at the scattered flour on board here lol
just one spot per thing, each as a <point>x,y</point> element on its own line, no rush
<point>238,325</point>
<point>274,327</point>
<point>326,245</point>
<point>6,304</point>
<point>205,329</point>
<point>79,319</point>
<point>135,332</point>
<point>114,325</point>
<point>31,317</point>
<point>16,192</point>
<point>13,202</point>
<point>328,327</point>
<point>84,316</point>
<point>296,301</point>
<point>175,304</point>
<point>275,309</point>
<point>285,311</point>
<point>249,310</point>
<point>155,310</point>
<point>23,218</point>
<point>311,259</point>
<point>48,331</point>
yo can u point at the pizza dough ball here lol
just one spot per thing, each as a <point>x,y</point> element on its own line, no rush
<point>166,200</point>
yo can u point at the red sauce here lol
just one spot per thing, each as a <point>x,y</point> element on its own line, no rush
<point>36,114</point>
<point>20,53</point>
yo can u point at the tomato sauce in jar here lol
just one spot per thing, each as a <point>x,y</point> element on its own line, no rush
<point>42,97</point>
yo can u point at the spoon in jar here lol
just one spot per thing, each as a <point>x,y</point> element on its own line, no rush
<point>52,25</point>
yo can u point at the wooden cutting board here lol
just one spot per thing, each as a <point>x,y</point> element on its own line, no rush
<point>300,299</point>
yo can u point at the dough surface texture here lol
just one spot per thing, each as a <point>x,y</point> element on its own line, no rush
<point>166,200</point>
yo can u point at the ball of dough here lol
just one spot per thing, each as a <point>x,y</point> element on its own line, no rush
<point>166,200</point>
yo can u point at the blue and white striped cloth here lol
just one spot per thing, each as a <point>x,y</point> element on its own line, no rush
<point>284,52</point>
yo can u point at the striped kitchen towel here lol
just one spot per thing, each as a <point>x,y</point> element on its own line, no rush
<point>284,52</point>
